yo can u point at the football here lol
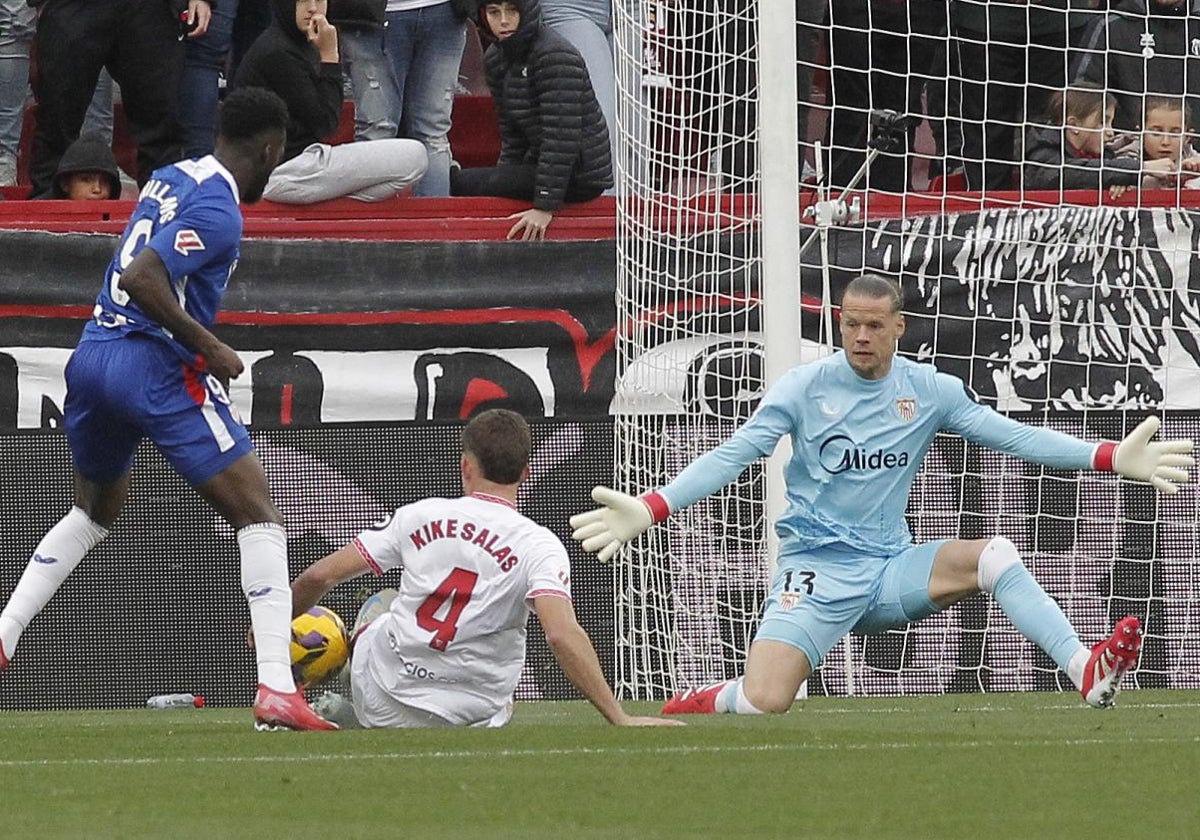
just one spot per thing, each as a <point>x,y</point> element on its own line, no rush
<point>320,645</point>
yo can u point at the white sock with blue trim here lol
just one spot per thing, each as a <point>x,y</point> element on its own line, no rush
<point>265,584</point>
<point>55,557</point>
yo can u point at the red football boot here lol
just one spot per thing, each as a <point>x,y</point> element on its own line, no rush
<point>1109,661</point>
<point>277,710</point>
<point>694,701</point>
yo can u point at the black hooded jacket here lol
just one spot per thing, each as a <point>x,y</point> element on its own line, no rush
<point>1142,47</point>
<point>282,60</point>
<point>547,109</point>
<point>88,154</point>
<point>1050,164</point>
<point>360,15</point>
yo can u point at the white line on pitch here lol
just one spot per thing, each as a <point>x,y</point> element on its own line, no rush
<point>476,754</point>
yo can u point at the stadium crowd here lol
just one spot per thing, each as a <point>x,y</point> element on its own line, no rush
<point>1053,94</point>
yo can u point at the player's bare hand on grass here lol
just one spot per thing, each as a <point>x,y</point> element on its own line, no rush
<point>605,529</point>
<point>644,720</point>
<point>1161,463</point>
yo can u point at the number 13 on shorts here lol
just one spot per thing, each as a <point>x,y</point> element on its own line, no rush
<point>796,584</point>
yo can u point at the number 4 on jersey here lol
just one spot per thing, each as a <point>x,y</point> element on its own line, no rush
<point>456,589</point>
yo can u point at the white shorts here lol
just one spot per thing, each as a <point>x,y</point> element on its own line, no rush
<point>376,708</point>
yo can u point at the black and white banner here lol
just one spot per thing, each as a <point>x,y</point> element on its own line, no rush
<point>347,332</point>
<point>1062,308</point>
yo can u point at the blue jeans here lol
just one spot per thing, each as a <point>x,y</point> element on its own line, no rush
<point>199,83</point>
<point>591,34</point>
<point>99,116</point>
<point>376,95</point>
<point>16,36</point>
<point>425,46</point>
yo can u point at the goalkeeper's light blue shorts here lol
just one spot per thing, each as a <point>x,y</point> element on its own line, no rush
<point>818,596</point>
<point>125,389</point>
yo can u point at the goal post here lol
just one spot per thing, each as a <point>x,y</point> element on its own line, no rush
<point>1074,312</point>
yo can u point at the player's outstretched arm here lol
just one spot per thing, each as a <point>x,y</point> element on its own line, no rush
<point>575,654</point>
<point>1161,463</point>
<point>310,586</point>
<point>620,518</point>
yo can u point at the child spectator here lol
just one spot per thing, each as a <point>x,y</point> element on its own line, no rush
<point>1073,149</point>
<point>553,138</point>
<point>297,57</point>
<point>87,171</point>
<point>1167,135</point>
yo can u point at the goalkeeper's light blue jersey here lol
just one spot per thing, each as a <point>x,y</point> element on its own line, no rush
<point>856,447</point>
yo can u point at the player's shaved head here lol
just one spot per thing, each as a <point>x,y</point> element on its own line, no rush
<point>875,287</point>
<point>251,138</point>
<point>247,112</point>
<point>499,442</point>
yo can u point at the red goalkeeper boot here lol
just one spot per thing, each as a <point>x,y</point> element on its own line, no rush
<point>277,710</point>
<point>694,701</point>
<point>1109,661</point>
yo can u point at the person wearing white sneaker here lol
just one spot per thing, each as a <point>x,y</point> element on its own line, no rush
<point>148,366</point>
<point>860,423</point>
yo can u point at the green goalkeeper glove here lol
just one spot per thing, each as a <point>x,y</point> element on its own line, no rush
<point>1162,463</point>
<point>621,518</point>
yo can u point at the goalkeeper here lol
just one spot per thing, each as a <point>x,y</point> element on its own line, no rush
<point>860,422</point>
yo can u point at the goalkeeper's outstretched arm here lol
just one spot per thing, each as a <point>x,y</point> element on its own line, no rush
<point>1162,463</point>
<point>621,517</point>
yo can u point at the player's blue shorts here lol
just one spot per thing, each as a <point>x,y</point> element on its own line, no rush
<point>125,389</point>
<point>818,596</point>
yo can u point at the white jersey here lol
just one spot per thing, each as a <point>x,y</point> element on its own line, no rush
<point>453,641</point>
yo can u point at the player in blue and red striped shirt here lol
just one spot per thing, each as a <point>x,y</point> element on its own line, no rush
<point>149,366</point>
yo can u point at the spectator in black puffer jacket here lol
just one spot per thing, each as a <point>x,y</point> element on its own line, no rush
<point>553,139</point>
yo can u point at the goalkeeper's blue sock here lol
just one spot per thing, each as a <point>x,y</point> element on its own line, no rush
<point>731,699</point>
<point>1034,613</point>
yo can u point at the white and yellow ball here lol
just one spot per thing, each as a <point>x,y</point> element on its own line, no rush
<point>320,645</point>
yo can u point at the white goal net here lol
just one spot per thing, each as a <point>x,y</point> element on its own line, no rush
<point>1079,309</point>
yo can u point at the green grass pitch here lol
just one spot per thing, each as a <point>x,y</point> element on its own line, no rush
<point>961,766</point>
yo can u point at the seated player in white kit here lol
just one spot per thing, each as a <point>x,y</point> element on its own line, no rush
<point>449,649</point>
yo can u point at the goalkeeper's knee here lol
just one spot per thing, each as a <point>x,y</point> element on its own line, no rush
<point>997,557</point>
